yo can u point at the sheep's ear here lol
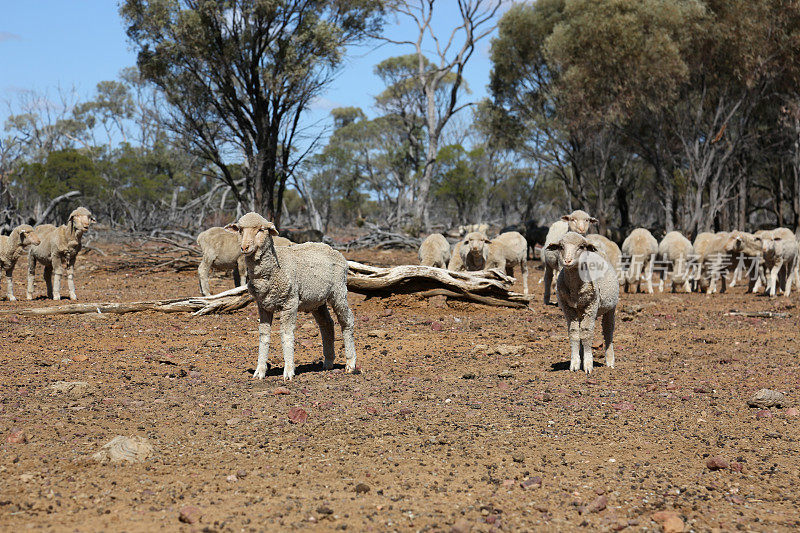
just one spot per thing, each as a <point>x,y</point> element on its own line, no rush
<point>232,228</point>
<point>553,246</point>
<point>566,218</point>
<point>593,220</point>
<point>270,227</point>
<point>589,247</point>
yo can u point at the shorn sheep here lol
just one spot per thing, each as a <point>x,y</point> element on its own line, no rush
<point>288,279</point>
<point>470,253</point>
<point>587,287</point>
<point>57,251</point>
<point>221,252</point>
<point>509,250</point>
<point>11,249</point>
<point>434,251</point>
<point>641,247</point>
<point>676,251</point>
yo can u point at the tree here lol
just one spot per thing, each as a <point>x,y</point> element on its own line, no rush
<point>451,56</point>
<point>239,75</point>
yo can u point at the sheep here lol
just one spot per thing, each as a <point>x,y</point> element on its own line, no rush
<point>11,249</point>
<point>747,248</point>
<point>579,221</point>
<point>557,230</point>
<point>713,260</point>
<point>221,252</point>
<point>780,260</point>
<point>508,250</point>
<point>607,249</point>
<point>587,287</point>
<point>470,253</point>
<point>302,235</point>
<point>57,251</point>
<point>535,234</point>
<point>641,247</point>
<point>473,228</point>
<point>434,251</point>
<point>676,251</point>
<point>288,279</point>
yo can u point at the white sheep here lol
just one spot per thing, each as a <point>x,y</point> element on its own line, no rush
<point>641,247</point>
<point>11,249</point>
<point>747,251</point>
<point>557,230</point>
<point>470,253</point>
<point>607,249</point>
<point>288,279</point>
<point>780,260</point>
<point>579,221</point>
<point>473,228</point>
<point>434,251</point>
<point>508,250</point>
<point>676,251</point>
<point>57,251</point>
<point>713,259</point>
<point>587,288</point>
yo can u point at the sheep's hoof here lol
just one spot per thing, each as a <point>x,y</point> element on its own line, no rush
<point>73,297</point>
<point>56,297</point>
<point>574,367</point>
<point>350,369</point>
<point>12,298</point>
<point>260,373</point>
<point>29,297</point>
<point>327,365</point>
<point>288,377</point>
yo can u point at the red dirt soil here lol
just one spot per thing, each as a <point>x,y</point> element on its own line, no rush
<point>437,433</point>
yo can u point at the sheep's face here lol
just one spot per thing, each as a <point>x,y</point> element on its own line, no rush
<point>741,242</point>
<point>475,243</point>
<point>253,237</point>
<point>82,218</point>
<point>27,237</point>
<point>570,249</point>
<point>579,221</point>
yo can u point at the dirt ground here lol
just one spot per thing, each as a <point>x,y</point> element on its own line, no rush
<point>443,430</point>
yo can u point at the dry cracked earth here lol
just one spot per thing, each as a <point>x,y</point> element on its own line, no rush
<point>463,418</point>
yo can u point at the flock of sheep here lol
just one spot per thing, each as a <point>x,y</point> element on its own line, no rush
<point>588,270</point>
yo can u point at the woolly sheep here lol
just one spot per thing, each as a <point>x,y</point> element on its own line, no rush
<point>676,251</point>
<point>508,250</point>
<point>221,252</point>
<point>473,228</point>
<point>579,221</point>
<point>746,250</point>
<point>640,246</point>
<point>470,253</point>
<point>434,251</point>
<point>607,249</point>
<point>714,261</point>
<point>587,288</point>
<point>780,260</point>
<point>57,251</point>
<point>288,279</point>
<point>11,249</point>
<point>557,230</point>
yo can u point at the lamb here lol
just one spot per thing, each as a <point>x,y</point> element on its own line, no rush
<point>557,230</point>
<point>11,249</point>
<point>57,251</point>
<point>508,250</point>
<point>470,253</point>
<point>221,252</point>
<point>587,288</point>
<point>473,228</point>
<point>641,247</point>
<point>288,279</point>
<point>780,260</point>
<point>434,251</point>
<point>579,221</point>
<point>676,251</point>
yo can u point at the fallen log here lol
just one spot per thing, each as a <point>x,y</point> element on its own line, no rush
<point>490,287</point>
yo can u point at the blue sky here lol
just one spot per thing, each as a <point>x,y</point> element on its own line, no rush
<point>46,44</point>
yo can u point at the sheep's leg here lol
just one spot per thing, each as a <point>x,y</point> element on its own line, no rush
<point>586,338</point>
<point>773,278</point>
<point>202,272</point>
<point>71,279</point>
<point>524,266</point>
<point>574,332</point>
<point>31,274</point>
<point>58,272</point>
<point>787,291</point>
<point>237,278</point>
<point>608,337</point>
<point>548,281</point>
<point>242,271</point>
<point>649,275</point>
<point>325,323</point>
<point>11,297</point>
<point>347,322</point>
<point>288,325</point>
<point>264,328</point>
<point>48,279</point>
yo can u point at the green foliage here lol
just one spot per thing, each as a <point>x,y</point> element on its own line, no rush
<point>458,181</point>
<point>61,172</point>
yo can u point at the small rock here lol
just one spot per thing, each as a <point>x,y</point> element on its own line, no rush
<point>763,413</point>
<point>190,514</point>
<point>468,375</point>
<point>80,357</point>
<point>324,510</point>
<point>437,326</point>
<point>766,398</point>
<point>128,449</point>
<point>404,411</point>
<point>670,521</point>
<point>461,526</point>
<point>717,463</point>
<point>280,390</point>
<point>518,458</point>
<point>362,488</point>
<point>532,483</point>
<point>623,406</point>
<point>506,374</point>
<point>596,506</point>
<point>233,421</point>
<point>232,478</point>
<point>17,436</point>
<point>298,415</point>
<point>26,478</point>
<point>377,334</point>
<point>792,412</point>
<point>507,349</point>
<point>737,467</point>
<point>479,348</point>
